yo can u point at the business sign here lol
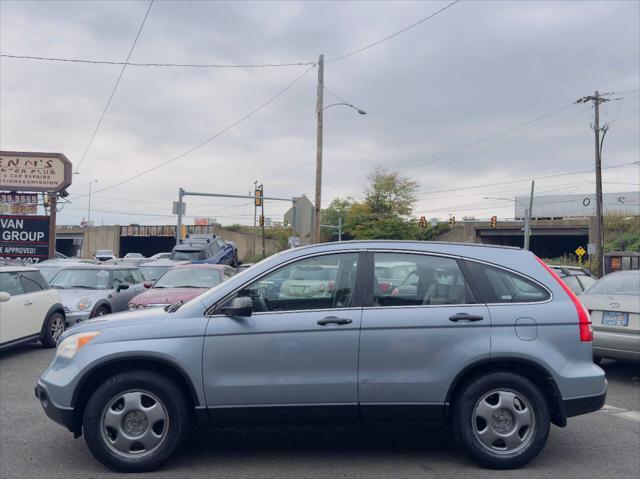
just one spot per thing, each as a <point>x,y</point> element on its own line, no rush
<point>18,204</point>
<point>24,237</point>
<point>25,171</point>
<point>570,206</point>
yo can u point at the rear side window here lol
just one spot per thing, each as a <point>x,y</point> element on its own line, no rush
<point>33,281</point>
<point>497,285</point>
<point>405,279</point>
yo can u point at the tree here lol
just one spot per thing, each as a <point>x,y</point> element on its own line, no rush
<point>390,194</point>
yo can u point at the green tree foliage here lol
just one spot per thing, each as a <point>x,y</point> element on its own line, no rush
<point>385,212</point>
<point>621,233</point>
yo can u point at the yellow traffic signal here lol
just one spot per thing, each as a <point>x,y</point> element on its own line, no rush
<point>258,195</point>
<point>261,220</point>
<point>494,221</point>
<point>452,222</point>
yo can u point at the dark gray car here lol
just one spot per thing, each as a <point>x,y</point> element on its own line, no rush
<point>486,338</point>
<point>89,290</point>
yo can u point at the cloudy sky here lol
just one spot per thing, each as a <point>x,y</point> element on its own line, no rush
<point>481,94</point>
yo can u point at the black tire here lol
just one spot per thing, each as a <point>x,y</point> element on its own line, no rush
<point>53,327</point>
<point>174,430</point>
<point>597,360</point>
<point>466,421</point>
<point>100,311</point>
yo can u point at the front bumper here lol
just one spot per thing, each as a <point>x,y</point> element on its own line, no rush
<point>586,404</point>
<point>75,317</point>
<point>61,415</point>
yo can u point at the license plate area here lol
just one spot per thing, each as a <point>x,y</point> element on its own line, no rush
<point>615,318</point>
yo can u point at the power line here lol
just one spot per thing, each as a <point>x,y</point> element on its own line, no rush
<point>205,142</point>
<point>389,37</point>
<point>115,87</point>
<point>156,65</point>
<point>499,183</point>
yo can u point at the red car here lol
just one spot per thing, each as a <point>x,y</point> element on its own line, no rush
<point>181,283</point>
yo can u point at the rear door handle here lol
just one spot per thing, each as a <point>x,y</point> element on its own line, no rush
<point>333,320</point>
<point>465,317</point>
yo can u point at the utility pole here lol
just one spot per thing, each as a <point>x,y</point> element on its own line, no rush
<point>597,99</point>
<point>527,224</point>
<point>255,216</point>
<point>319,107</point>
<point>340,229</point>
<point>179,212</point>
<point>262,220</point>
<point>53,209</point>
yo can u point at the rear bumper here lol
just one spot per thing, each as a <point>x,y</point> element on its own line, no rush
<point>584,405</point>
<point>62,415</point>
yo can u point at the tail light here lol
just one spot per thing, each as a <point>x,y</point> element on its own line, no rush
<point>331,285</point>
<point>384,286</point>
<point>584,321</point>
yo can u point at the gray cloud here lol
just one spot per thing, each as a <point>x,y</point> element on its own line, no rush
<point>477,69</point>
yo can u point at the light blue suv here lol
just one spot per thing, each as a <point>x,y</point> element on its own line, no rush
<point>486,338</point>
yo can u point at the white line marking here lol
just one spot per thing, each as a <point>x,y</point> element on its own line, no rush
<point>622,413</point>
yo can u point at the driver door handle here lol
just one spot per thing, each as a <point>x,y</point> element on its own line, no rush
<point>333,320</point>
<point>465,317</point>
<point>28,302</point>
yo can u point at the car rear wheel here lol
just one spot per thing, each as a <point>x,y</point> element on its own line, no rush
<point>101,311</point>
<point>53,329</point>
<point>135,421</point>
<point>502,420</point>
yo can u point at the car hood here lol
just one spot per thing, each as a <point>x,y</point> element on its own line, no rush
<point>116,320</point>
<point>167,295</point>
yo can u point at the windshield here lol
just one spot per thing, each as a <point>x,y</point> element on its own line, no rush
<point>623,284</point>
<point>81,279</point>
<point>188,255</point>
<point>189,278</point>
<point>104,252</point>
<point>49,271</point>
<point>151,273</point>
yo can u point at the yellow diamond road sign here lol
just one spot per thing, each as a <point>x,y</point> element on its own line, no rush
<point>580,251</point>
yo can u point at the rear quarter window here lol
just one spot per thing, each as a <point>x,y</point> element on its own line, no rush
<point>496,285</point>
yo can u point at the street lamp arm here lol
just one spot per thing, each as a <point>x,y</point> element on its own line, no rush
<point>362,112</point>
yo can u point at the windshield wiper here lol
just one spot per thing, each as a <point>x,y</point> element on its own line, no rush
<point>174,307</point>
<point>187,286</point>
<point>81,287</point>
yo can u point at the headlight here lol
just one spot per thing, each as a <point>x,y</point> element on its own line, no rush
<point>84,303</point>
<point>131,306</point>
<point>71,345</point>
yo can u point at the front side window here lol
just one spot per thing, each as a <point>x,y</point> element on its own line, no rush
<point>500,286</point>
<point>321,282</point>
<point>10,283</point>
<point>404,279</point>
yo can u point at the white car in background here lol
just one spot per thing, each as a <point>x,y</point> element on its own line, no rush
<point>29,309</point>
<point>614,305</point>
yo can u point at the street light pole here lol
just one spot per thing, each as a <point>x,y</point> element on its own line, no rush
<point>527,226</point>
<point>89,212</point>
<point>319,118</point>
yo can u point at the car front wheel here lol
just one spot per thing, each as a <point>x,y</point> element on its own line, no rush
<point>52,330</point>
<point>502,420</point>
<point>135,421</point>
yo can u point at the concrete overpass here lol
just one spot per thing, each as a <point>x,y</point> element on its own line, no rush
<point>549,238</point>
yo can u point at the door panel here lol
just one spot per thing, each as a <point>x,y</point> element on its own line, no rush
<point>13,316</point>
<point>299,348</point>
<point>421,331</point>
<point>282,358</point>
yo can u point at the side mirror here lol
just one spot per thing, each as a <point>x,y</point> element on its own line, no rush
<point>4,297</point>
<point>147,284</point>
<point>121,287</point>
<point>239,307</point>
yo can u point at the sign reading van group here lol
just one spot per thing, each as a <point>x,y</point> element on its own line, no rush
<point>34,172</point>
<point>24,237</point>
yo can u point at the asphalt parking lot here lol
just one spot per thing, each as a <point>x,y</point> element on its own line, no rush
<point>603,444</point>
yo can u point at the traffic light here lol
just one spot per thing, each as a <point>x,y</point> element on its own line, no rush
<point>494,221</point>
<point>422,222</point>
<point>452,222</point>
<point>183,231</point>
<point>258,195</point>
<point>261,221</point>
